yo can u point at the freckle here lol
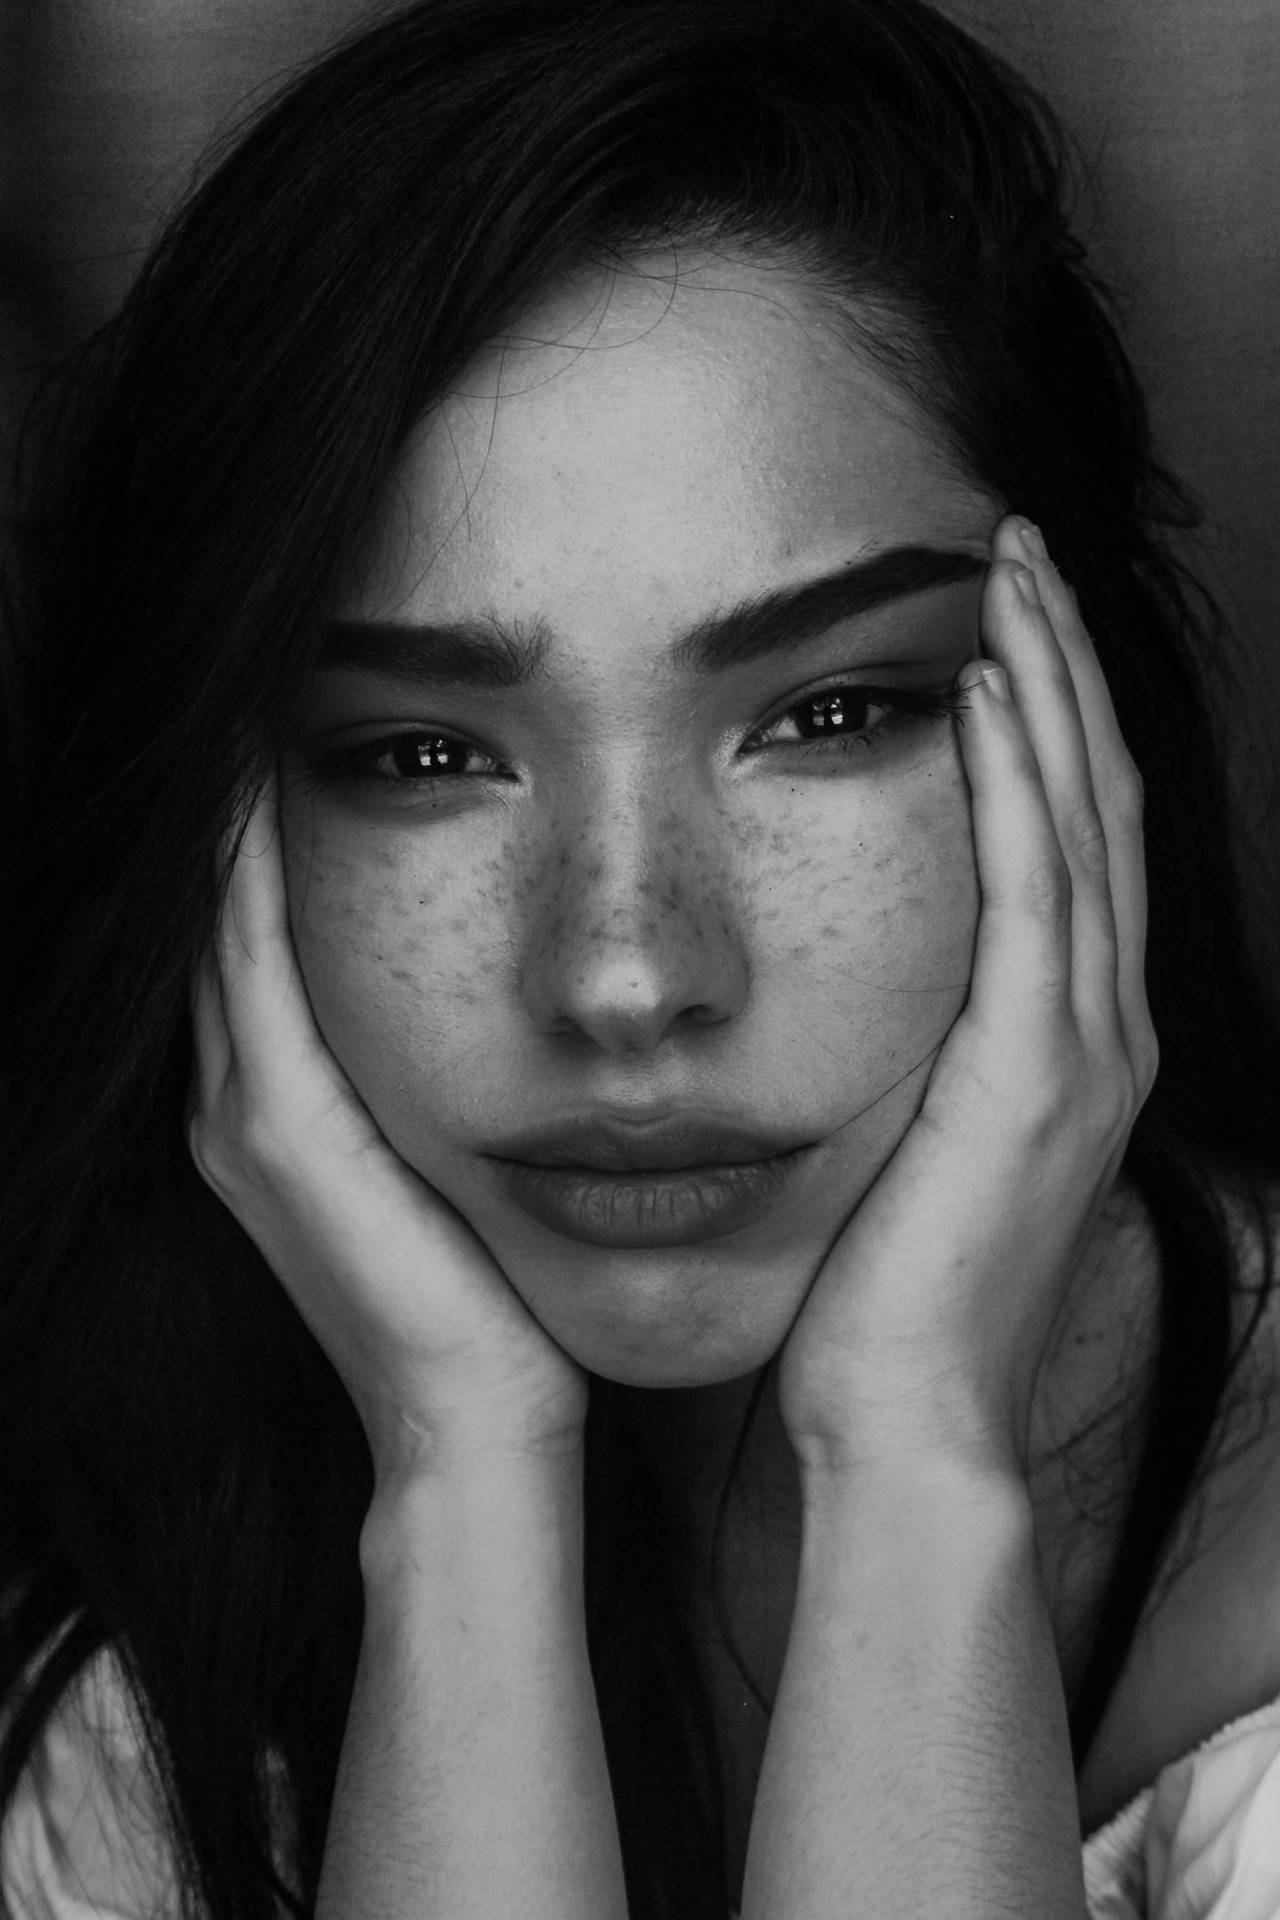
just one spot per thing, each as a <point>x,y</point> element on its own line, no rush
<point>458,924</point>
<point>402,973</point>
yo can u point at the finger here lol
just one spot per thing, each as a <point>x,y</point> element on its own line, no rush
<point>1118,795</point>
<point>267,1012</point>
<point>1018,632</point>
<point>1022,956</point>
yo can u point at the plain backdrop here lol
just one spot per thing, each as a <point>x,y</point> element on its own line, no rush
<point>105,106</point>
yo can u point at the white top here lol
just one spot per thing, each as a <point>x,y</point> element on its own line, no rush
<point>84,1840</point>
<point>1202,1842</point>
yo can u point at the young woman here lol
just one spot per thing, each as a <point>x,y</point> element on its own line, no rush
<point>640,1208</point>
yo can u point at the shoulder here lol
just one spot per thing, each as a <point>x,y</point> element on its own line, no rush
<point>86,1834</point>
<point>1208,1652</point>
<point>1203,1841</point>
<point>84,1831</point>
<point>1223,1579</point>
<point>1234,1526</point>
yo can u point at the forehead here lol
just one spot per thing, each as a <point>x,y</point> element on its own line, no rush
<point>671,433</point>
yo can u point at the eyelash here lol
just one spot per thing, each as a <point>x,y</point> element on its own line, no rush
<point>903,707</point>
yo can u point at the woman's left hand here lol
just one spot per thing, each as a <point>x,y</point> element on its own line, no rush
<point>933,1310</point>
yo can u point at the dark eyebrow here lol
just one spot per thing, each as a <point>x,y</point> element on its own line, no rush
<point>487,654</point>
<point>468,653</point>
<point>788,616</point>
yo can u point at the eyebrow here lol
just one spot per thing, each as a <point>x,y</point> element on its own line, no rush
<point>488,653</point>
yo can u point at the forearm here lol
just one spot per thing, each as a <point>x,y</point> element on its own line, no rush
<point>918,1759</point>
<point>472,1783</point>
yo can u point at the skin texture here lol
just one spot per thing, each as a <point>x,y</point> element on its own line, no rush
<point>639,913</point>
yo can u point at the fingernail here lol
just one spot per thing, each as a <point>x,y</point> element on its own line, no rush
<point>994,679</point>
<point>1026,584</point>
<point>1033,539</point>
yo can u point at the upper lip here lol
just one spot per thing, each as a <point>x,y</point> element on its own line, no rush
<point>608,1144</point>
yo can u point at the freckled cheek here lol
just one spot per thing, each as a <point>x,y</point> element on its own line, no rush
<point>399,951</point>
<point>868,917</point>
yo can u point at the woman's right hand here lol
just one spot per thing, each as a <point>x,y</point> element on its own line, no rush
<point>438,1352</point>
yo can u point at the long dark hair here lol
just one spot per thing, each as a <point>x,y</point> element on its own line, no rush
<point>183,1477</point>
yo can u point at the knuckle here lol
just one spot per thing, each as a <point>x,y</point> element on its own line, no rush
<point>1128,794</point>
<point>1040,1115</point>
<point>1046,892</point>
<point>1075,1095</point>
<point>1052,983</point>
<point>263,1145</point>
<point>206,1146</point>
<point>1120,1091</point>
<point>238,1148</point>
<point>1114,1107</point>
<point>196,1141</point>
<point>1086,838</point>
<point>1146,1064</point>
<point>1050,1097</point>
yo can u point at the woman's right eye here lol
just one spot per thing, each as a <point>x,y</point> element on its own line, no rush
<point>405,759</point>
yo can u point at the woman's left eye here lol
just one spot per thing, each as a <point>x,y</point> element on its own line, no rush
<point>854,716</point>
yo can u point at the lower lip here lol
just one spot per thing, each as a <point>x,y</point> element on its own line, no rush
<point>677,1207</point>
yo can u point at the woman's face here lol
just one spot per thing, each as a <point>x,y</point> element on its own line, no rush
<point>603,864</point>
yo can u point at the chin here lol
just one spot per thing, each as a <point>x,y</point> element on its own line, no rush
<point>682,1317</point>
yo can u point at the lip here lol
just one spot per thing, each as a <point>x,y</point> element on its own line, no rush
<point>671,1141</point>
<point>668,1182</point>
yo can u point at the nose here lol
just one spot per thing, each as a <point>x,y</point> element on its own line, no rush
<point>632,937</point>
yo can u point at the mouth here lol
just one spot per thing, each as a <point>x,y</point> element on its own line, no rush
<point>665,1183</point>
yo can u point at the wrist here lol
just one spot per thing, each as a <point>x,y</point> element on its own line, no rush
<point>407,1453</point>
<point>943,1482</point>
<point>465,1509</point>
<point>927,1540</point>
<point>918,1434</point>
